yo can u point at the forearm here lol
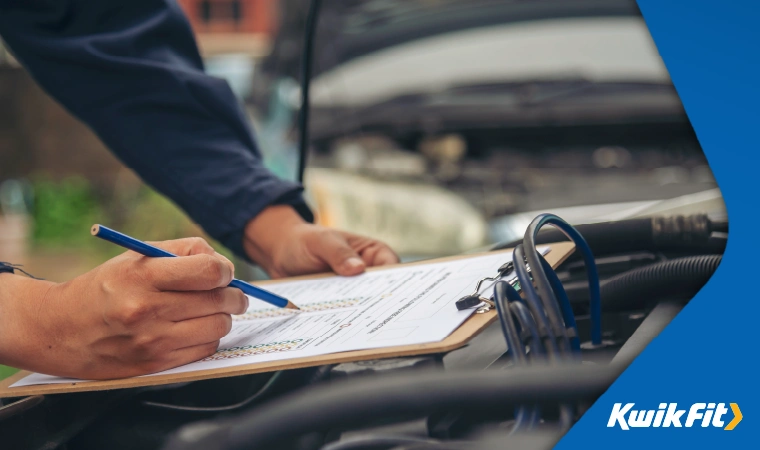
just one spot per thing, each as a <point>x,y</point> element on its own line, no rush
<point>21,299</point>
<point>131,71</point>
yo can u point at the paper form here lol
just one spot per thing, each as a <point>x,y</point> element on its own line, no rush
<point>401,306</point>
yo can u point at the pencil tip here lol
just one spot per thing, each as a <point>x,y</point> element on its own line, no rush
<point>94,230</point>
<point>292,305</point>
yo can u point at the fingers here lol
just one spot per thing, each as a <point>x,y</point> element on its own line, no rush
<point>373,252</point>
<point>179,306</point>
<point>198,267</point>
<point>186,246</point>
<point>348,254</point>
<point>385,256</point>
<point>198,272</point>
<point>378,254</point>
<point>191,354</point>
<point>199,331</point>
<point>333,248</point>
<point>165,361</point>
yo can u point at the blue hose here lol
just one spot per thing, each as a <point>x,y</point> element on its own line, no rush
<point>527,323</point>
<point>534,302</point>
<point>564,303</point>
<point>544,285</point>
<point>511,336</point>
<point>502,291</point>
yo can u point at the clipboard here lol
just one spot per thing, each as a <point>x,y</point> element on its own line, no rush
<point>471,327</point>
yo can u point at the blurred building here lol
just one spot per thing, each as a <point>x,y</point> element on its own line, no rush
<point>232,26</point>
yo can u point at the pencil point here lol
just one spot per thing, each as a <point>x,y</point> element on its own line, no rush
<point>94,230</point>
<point>292,305</point>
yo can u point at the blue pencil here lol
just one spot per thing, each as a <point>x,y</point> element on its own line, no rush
<point>142,248</point>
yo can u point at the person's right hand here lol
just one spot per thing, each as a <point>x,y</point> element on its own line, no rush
<point>130,316</point>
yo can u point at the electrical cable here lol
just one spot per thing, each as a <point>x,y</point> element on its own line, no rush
<point>306,69</point>
<point>546,299</point>
<point>227,408</point>
<point>558,309</point>
<point>564,302</point>
<point>566,410</point>
<point>542,280</point>
<point>511,336</point>
<point>376,442</point>
<point>524,419</point>
<point>534,303</point>
<point>325,405</point>
<point>441,445</point>
<point>527,323</point>
<point>566,417</point>
<point>515,347</point>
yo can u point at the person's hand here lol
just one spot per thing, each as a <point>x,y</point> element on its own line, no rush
<point>285,245</point>
<point>130,316</point>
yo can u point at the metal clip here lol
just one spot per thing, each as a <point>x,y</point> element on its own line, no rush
<point>489,305</point>
<point>474,299</point>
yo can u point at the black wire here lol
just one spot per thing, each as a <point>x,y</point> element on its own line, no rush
<point>11,268</point>
<point>566,416</point>
<point>527,322</point>
<point>351,402</point>
<point>377,442</point>
<point>514,346</point>
<point>266,388</point>
<point>511,336</point>
<point>358,401</point>
<point>544,288</point>
<point>568,316</point>
<point>535,303</point>
<point>306,63</point>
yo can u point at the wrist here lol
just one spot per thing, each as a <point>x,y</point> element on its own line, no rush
<point>266,232</point>
<point>21,304</point>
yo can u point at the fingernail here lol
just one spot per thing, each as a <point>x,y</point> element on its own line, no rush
<point>353,263</point>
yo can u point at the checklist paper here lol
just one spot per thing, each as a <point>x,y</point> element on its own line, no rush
<point>411,304</point>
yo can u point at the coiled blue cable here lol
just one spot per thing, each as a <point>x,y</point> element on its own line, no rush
<point>542,280</point>
<point>564,302</point>
<point>502,291</point>
<point>526,322</point>
<point>529,416</point>
<point>511,336</point>
<point>533,301</point>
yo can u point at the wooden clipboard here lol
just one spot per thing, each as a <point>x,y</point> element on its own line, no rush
<point>476,323</point>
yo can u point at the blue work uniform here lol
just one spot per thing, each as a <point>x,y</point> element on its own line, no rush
<point>130,70</point>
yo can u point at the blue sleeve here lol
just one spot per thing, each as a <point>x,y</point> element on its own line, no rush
<point>130,70</point>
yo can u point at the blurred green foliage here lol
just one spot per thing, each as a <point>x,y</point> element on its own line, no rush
<point>5,372</point>
<point>65,210</point>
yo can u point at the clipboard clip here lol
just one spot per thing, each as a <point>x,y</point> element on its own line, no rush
<point>475,299</point>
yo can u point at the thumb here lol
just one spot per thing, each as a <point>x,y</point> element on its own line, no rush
<point>338,254</point>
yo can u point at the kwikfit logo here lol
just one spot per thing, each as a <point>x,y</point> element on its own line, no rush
<point>668,415</point>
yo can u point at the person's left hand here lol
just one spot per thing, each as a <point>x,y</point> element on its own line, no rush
<point>285,245</point>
